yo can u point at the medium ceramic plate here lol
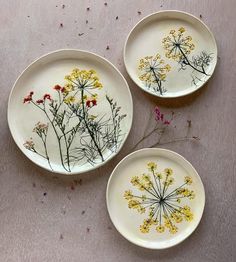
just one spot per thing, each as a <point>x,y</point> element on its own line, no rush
<point>70,111</point>
<point>170,54</point>
<point>155,198</point>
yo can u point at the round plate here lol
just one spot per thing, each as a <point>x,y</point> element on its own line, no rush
<point>155,198</point>
<point>70,111</point>
<point>170,54</point>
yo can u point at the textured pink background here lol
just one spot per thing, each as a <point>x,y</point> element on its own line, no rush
<point>34,227</point>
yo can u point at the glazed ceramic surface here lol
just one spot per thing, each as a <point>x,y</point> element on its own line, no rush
<point>70,111</point>
<point>170,54</point>
<point>155,198</point>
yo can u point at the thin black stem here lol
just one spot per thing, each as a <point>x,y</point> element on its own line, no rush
<point>158,81</point>
<point>86,124</point>
<point>189,63</point>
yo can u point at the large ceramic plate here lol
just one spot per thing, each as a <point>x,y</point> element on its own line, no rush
<point>170,54</point>
<point>155,198</point>
<point>70,111</point>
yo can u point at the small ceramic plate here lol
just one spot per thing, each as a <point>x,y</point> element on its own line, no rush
<point>170,54</point>
<point>155,198</point>
<point>70,111</point>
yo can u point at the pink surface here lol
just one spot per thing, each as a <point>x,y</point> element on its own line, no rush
<point>70,222</point>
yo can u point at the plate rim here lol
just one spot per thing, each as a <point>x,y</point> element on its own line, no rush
<point>157,150</point>
<point>79,51</point>
<point>157,13</point>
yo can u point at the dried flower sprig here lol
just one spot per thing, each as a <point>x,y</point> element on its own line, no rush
<point>163,123</point>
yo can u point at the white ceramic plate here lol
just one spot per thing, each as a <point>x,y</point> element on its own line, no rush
<point>170,54</point>
<point>70,124</point>
<point>149,212</point>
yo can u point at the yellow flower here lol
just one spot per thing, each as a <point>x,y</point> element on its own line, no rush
<point>160,229</point>
<point>146,178</point>
<point>128,195</point>
<point>159,175</point>
<point>144,228</point>
<point>69,100</point>
<point>97,84</point>
<point>168,171</point>
<point>152,166</point>
<point>134,204</point>
<point>170,181</point>
<point>188,180</point>
<point>141,210</point>
<point>168,68</point>
<point>181,30</point>
<point>135,181</point>
<point>173,229</point>
<point>68,78</point>
<point>172,31</point>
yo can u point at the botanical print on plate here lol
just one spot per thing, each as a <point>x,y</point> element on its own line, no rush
<point>162,200</point>
<point>70,113</point>
<point>153,72</point>
<point>178,47</point>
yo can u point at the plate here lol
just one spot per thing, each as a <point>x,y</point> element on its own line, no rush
<point>170,54</point>
<point>155,198</point>
<point>70,111</point>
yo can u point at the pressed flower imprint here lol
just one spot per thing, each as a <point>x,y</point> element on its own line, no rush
<point>161,200</point>
<point>178,47</point>
<point>81,135</point>
<point>153,72</point>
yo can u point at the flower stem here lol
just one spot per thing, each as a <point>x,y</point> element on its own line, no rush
<point>87,127</point>
<point>189,64</point>
<point>158,81</point>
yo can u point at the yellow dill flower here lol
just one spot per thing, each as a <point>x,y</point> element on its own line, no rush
<point>168,171</point>
<point>69,100</point>
<point>146,178</point>
<point>173,229</point>
<point>97,84</point>
<point>68,78</point>
<point>160,229</point>
<point>128,194</point>
<point>152,166</point>
<point>144,228</point>
<point>181,29</point>
<point>141,209</point>
<point>159,175</point>
<point>134,204</point>
<point>135,181</point>
<point>188,180</point>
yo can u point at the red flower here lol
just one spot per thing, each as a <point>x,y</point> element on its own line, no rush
<point>63,89</point>
<point>94,101</point>
<point>161,117</point>
<point>47,96</point>
<point>91,103</point>
<point>28,98</point>
<point>57,87</point>
<point>40,101</point>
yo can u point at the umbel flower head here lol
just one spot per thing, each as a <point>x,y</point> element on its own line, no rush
<point>177,45</point>
<point>83,79</point>
<point>153,69</point>
<point>160,199</point>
